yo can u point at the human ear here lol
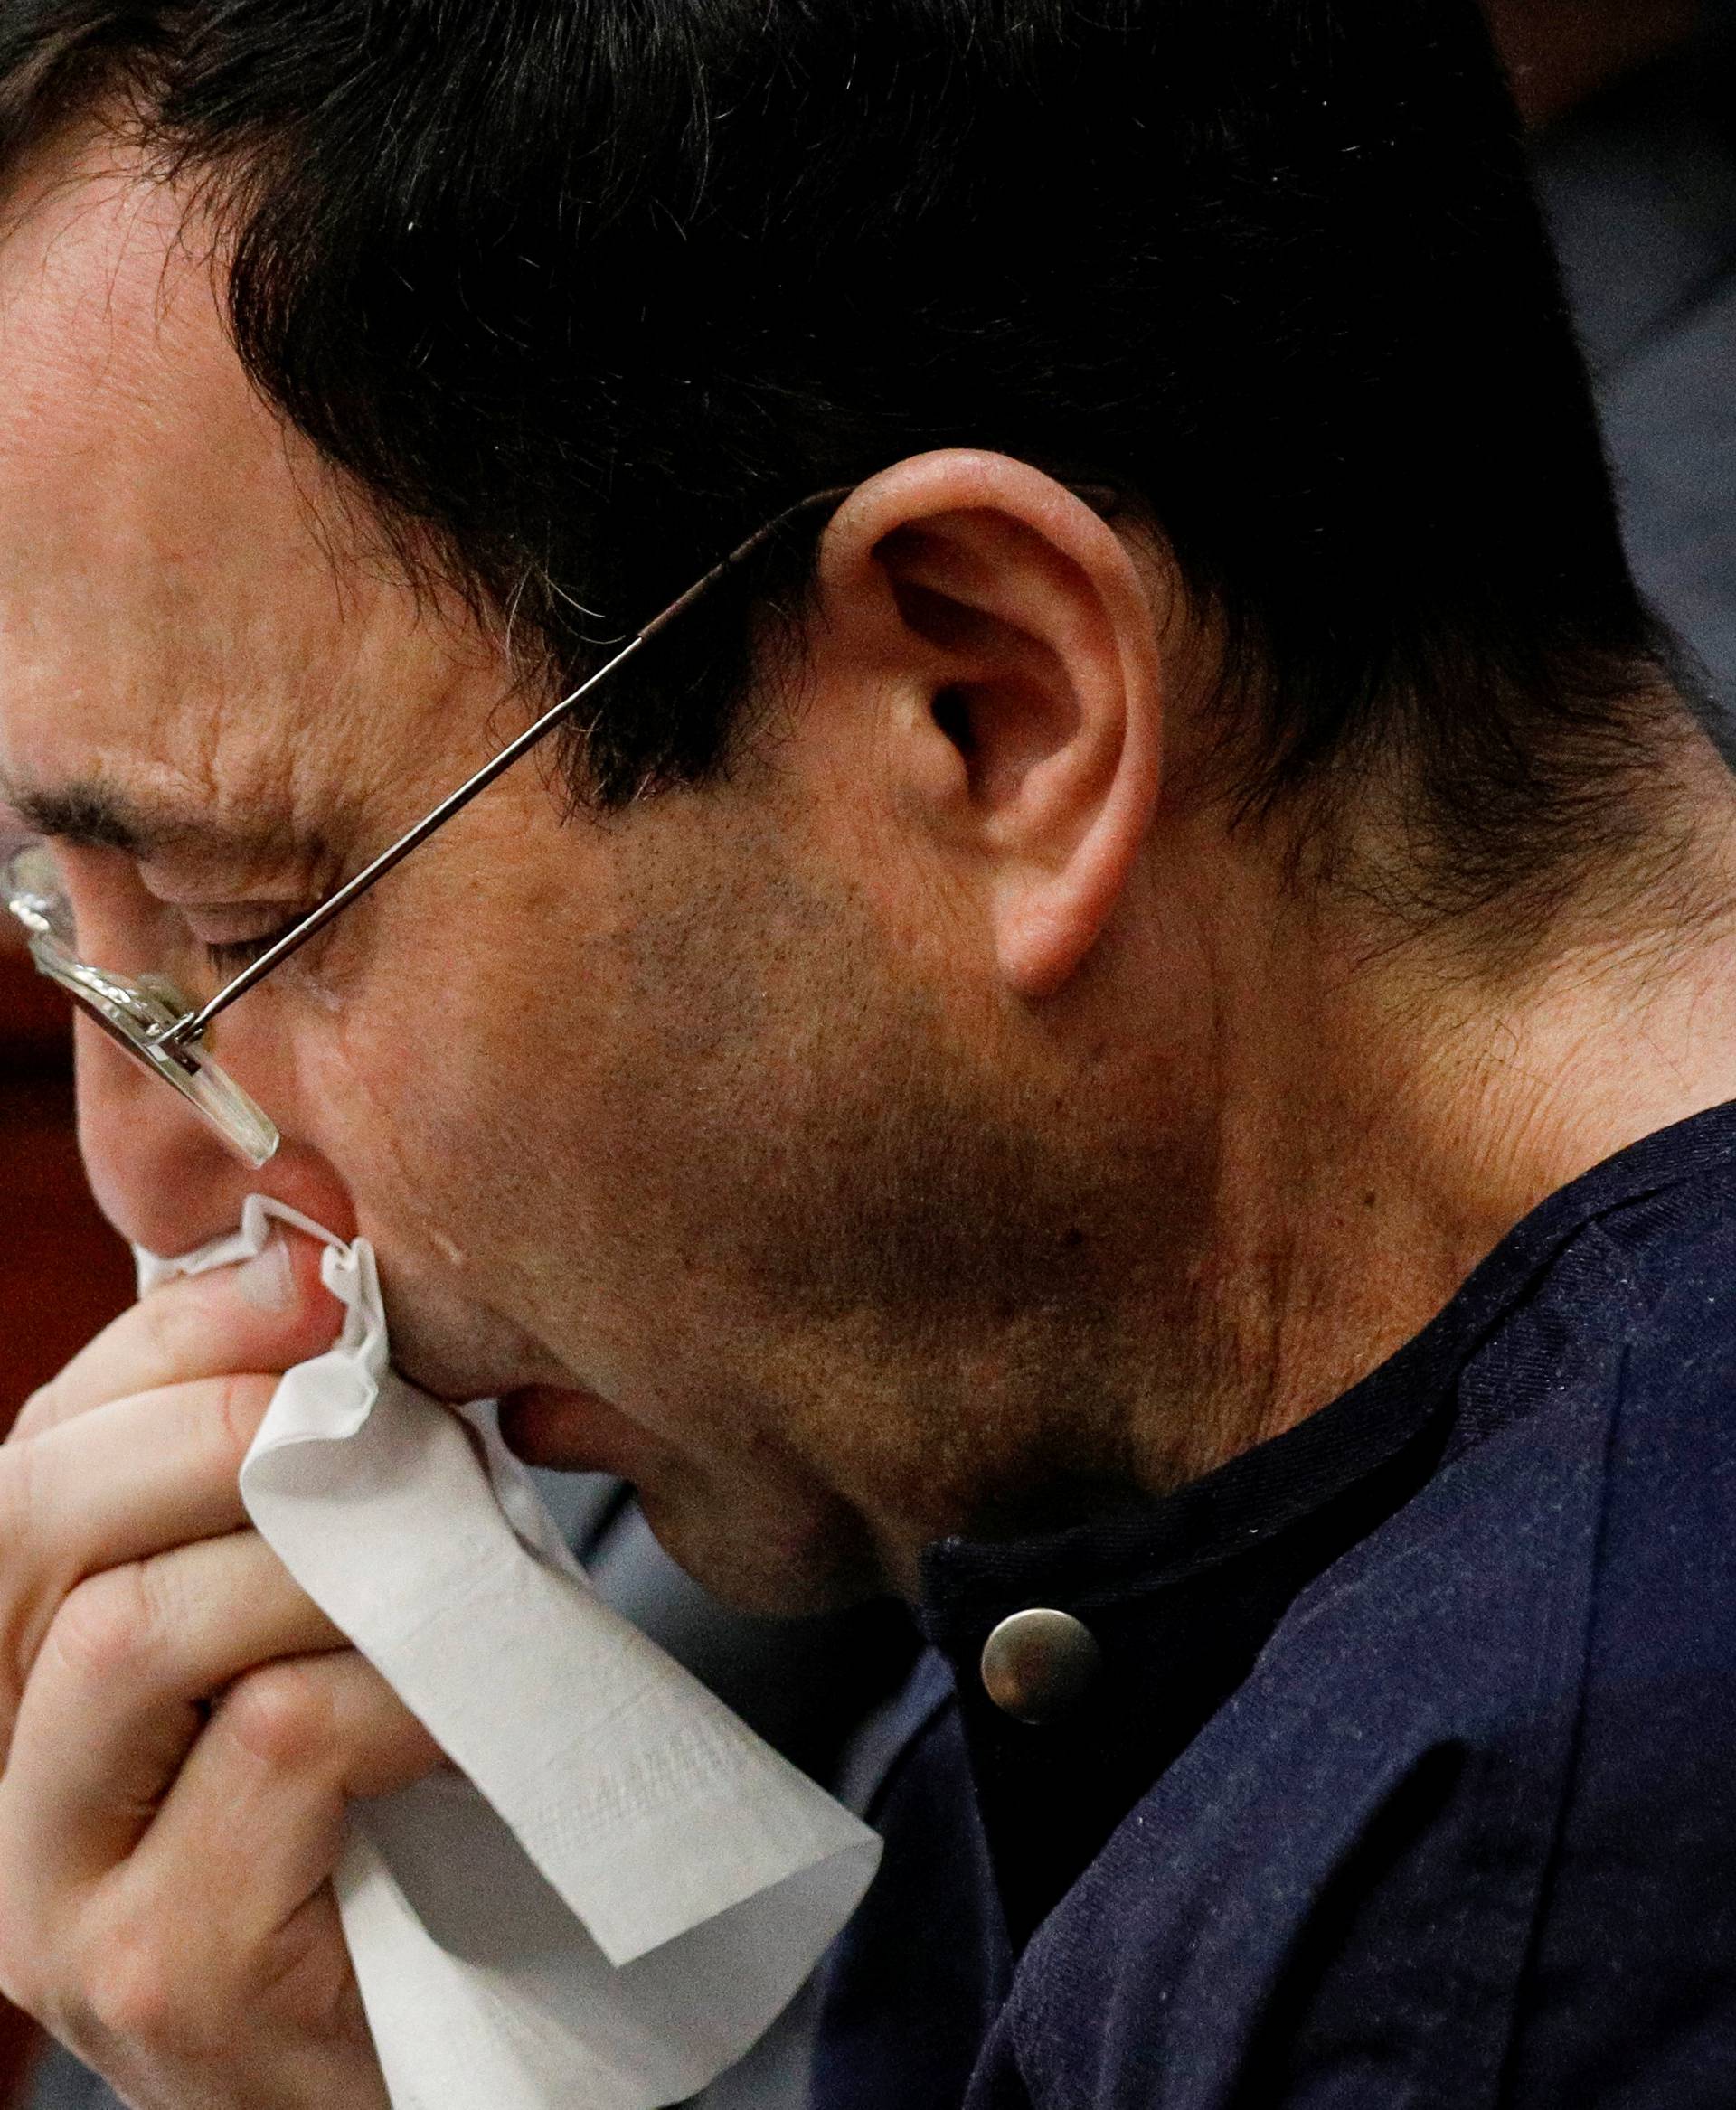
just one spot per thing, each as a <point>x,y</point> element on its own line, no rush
<point>1023,635</point>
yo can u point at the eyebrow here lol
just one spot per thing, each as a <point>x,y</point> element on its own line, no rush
<point>93,814</point>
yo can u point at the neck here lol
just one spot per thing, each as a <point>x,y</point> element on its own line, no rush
<point>1387,1116</point>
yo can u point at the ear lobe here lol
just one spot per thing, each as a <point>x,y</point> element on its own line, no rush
<point>1026,621</point>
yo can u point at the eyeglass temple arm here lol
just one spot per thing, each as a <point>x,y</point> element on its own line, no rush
<point>193,1025</point>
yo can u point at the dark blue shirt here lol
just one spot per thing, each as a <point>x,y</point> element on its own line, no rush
<point>1409,1777</point>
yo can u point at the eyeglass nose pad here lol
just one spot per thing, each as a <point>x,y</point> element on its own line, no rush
<point>34,895</point>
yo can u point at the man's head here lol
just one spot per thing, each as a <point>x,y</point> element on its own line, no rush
<point>804,1106</point>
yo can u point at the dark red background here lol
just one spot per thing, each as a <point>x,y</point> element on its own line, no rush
<point>65,1273</point>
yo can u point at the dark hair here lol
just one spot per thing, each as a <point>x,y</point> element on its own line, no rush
<point>580,291</point>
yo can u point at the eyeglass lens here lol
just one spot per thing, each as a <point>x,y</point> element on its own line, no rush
<point>136,1014</point>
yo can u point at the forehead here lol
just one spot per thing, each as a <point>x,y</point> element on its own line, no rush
<point>185,611</point>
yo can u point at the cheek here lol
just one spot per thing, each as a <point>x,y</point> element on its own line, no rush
<point>395,1102</point>
<point>461,1121</point>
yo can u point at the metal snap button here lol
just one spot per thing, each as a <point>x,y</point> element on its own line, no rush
<point>1037,1664</point>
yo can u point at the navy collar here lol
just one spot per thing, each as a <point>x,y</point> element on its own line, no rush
<point>1180,1592</point>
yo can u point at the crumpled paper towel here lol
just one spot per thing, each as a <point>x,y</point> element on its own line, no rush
<point>621,1886</point>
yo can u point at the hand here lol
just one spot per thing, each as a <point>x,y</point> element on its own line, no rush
<point>181,1727</point>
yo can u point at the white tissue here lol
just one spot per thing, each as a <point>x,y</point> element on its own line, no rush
<point>622,1887</point>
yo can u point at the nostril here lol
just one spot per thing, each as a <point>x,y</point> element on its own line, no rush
<point>952,715</point>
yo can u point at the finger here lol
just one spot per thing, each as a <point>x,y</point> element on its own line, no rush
<point>259,1809</point>
<point>117,1485</point>
<point>118,1696</point>
<point>266,1314</point>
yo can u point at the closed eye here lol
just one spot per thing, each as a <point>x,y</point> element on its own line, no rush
<point>233,954</point>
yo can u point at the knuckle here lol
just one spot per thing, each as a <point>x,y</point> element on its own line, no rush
<point>21,1958</point>
<point>134,1989</point>
<point>156,1318</point>
<point>40,1410</point>
<point>239,1409</point>
<point>30,1591</point>
<point>282,1715</point>
<point>107,1627</point>
<point>22,1493</point>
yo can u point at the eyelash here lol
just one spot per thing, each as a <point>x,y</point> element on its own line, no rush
<point>236,953</point>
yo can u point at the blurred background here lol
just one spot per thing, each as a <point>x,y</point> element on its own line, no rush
<point>1634,132</point>
<point>63,1272</point>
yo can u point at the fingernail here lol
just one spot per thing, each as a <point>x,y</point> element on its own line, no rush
<point>268,1281</point>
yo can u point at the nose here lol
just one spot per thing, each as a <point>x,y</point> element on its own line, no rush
<point>165,1181</point>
